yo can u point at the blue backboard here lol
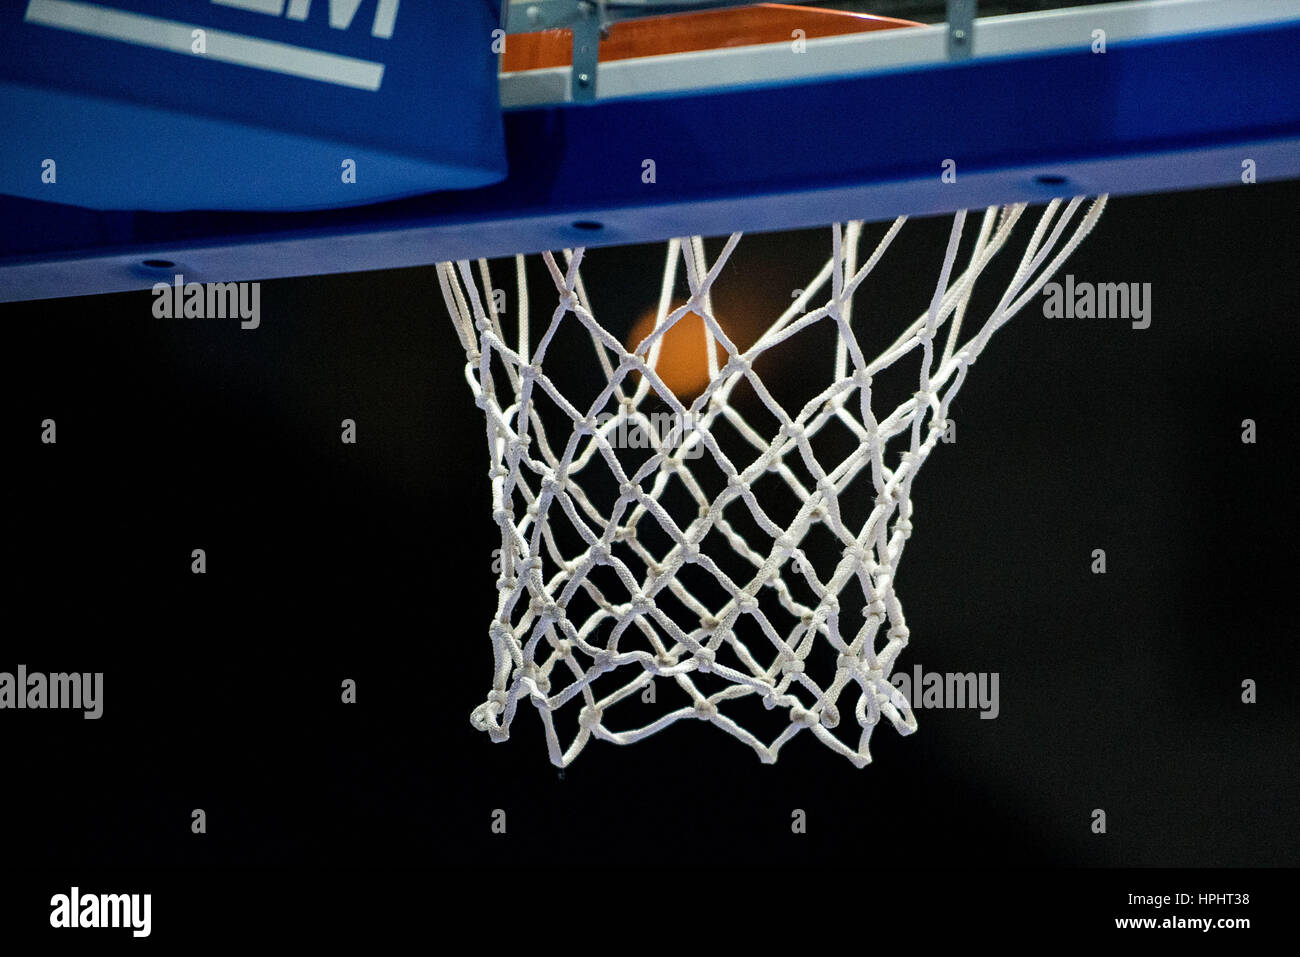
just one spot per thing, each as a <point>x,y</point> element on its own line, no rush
<point>1118,98</point>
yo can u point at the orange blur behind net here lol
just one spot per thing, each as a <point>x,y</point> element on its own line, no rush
<point>683,362</point>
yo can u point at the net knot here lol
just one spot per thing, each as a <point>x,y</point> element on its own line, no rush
<point>530,672</point>
<point>483,717</point>
<point>802,716</point>
<point>830,716</point>
<point>735,366</point>
<point>546,608</point>
<point>705,709</point>
<point>705,660</point>
<point>589,717</point>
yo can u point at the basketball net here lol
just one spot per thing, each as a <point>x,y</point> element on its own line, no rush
<point>727,610</point>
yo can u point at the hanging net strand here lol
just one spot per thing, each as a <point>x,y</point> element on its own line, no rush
<point>732,610</point>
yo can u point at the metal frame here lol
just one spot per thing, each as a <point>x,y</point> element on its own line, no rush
<point>585,18</point>
<point>1068,29</point>
<point>1189,90</point>
<point>961,29</point>
<point>588,20</point>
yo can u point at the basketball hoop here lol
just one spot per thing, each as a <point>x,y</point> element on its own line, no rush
<point>728,608</point>
<point>658,628</point>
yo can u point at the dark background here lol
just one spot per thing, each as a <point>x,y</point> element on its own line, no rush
<point>372,562</point>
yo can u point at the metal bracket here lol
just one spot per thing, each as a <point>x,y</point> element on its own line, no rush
<point>961,29</point>
<point>517,17</point>
<point>589,19</point>
<point>586,18</point>
<point>586,52</point>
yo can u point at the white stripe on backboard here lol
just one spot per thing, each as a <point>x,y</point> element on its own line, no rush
<point>176,37</point>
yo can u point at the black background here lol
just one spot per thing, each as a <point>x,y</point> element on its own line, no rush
<point>372,562</point>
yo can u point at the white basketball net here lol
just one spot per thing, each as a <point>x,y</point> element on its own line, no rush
<point>650,625</point>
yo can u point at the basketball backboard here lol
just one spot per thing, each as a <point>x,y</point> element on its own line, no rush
<point>809,127</point>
